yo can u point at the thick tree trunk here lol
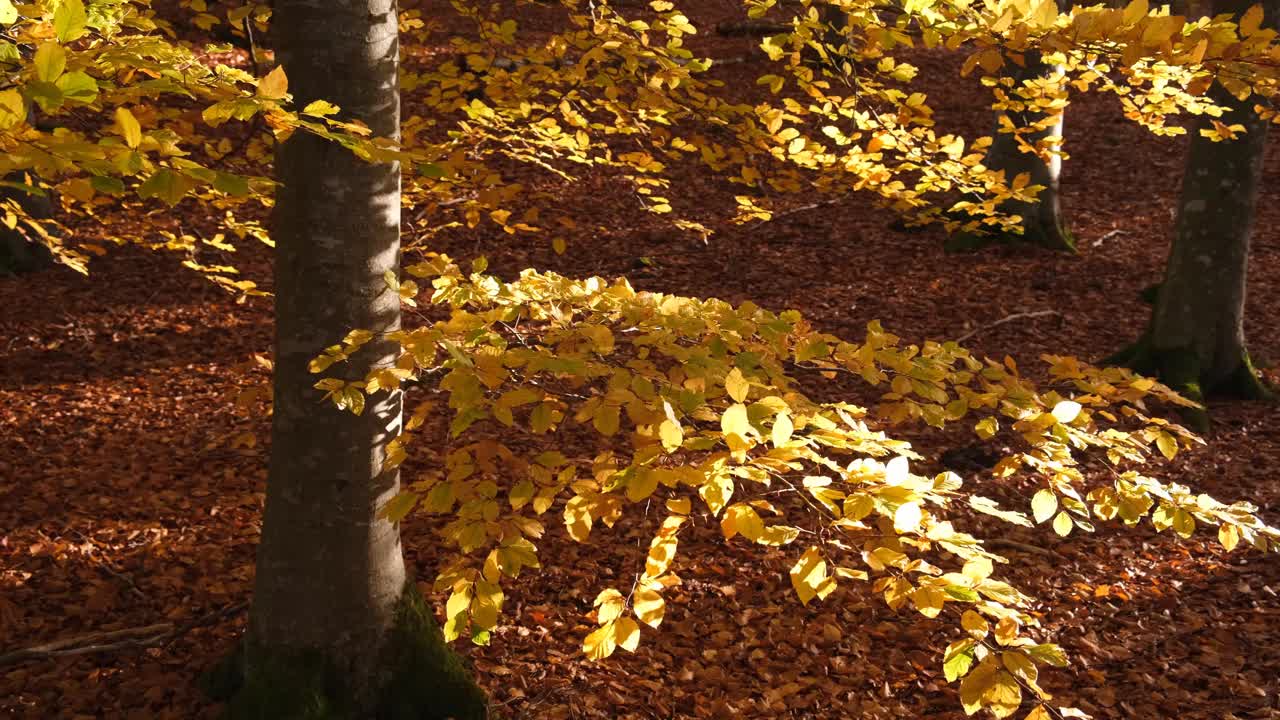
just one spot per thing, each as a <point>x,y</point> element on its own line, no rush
<point>337,232</point>
<point>1195,341</point>
<point>335,629</point>
<point>1042,222</point>
<point>1200,304</point>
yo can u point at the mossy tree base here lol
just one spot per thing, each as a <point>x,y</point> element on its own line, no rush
<point>1181,370</point>
<point>423,679</point>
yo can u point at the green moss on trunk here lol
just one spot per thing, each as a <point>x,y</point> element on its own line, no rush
<point>1246,383</point>
<point>1181,370</point>
<point>421,679</point>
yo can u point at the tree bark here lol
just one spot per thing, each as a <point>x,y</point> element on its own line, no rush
<point>334,624</point>
<point>1195,341</point>
<point>1042,222</point>
<point>19,253</point>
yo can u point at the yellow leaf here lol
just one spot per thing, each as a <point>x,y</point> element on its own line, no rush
<point>1167,445</point>
<point>649,606</point>
<point>1062,524</point>
<point>577,518</point>
<point>50,60</point>
<point>1066,411</point>
<point>1251,21</point>
<point>809,576</point>
<point>626,633</point>
<point>957,659</point>
<point>907,517</point>
<point>1229,536</point>
<point>642,484</point>
<point>716,492</point>
<point>128,126</point>
<point>601,643</point>
<point>661,552</point>
<point>782,429</point>
<point>736,385</point>
<point>679,506</point>
<point>1044,504</point>
<point>1006,630</point>
<point>734,421</point>
<point>521,493</point>
<point>274,85</point>
<point>1020,666</point>
<point>399,506</point>
<point>671,435</point>
<point>1135,11</point>
<point>987,428</point>
<point>975,685</point>
<point>742,519</point>
<point>606,419</point>
<point>1004,696</point>
<point>609,605</point>
<point>974,624</point>
<point>928,601</point>
<point>69,20</point>
<point>13,110</point>
<point>977,569</point>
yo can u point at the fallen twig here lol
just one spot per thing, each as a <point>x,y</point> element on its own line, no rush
<point>127,638</point>
<point>1015,545</point>
<point>1108,235</point>
<point>1009,318</point>
<point>93,642</point>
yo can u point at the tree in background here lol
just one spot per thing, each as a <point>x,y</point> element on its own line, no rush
<point>1195,340</point>
<point>1027,142</point>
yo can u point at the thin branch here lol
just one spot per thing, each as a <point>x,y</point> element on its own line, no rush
<point>93,642</point>
<point>1015,545</point>
<point>127,638</point>
<point>1007,319</point>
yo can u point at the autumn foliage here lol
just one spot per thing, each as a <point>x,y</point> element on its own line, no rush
<point>698,410</point>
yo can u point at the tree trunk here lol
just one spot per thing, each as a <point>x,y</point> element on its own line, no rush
<point>1042,223</point>
<point>1195,341</point>
<point>335,629</point>
<point>18,252</point>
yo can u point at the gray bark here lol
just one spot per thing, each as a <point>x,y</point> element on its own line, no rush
<point>1199,310</point>
<point>1042,221</point>
<point>330,572</point>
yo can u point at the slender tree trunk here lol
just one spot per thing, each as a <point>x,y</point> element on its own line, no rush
<point>1042,221</point>
<point>335,629</point>
<point>18,252</point>
<point>1195,341</point>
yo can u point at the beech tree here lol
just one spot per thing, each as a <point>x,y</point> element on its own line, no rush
<point>1034,152</point>
<point>694,406</point>
<point>337,628</point>
<point>1195,340</point>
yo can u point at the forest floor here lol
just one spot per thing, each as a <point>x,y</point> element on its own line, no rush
<point>131,487</point>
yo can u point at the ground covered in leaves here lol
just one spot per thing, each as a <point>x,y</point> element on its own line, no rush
<point>132,463</point>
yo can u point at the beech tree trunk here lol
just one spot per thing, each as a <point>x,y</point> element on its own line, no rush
<point>1042,221</point>
<point>330,574</point>
<point>335,629</point>
<point>18,252</point>
<point>1195,341</point>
